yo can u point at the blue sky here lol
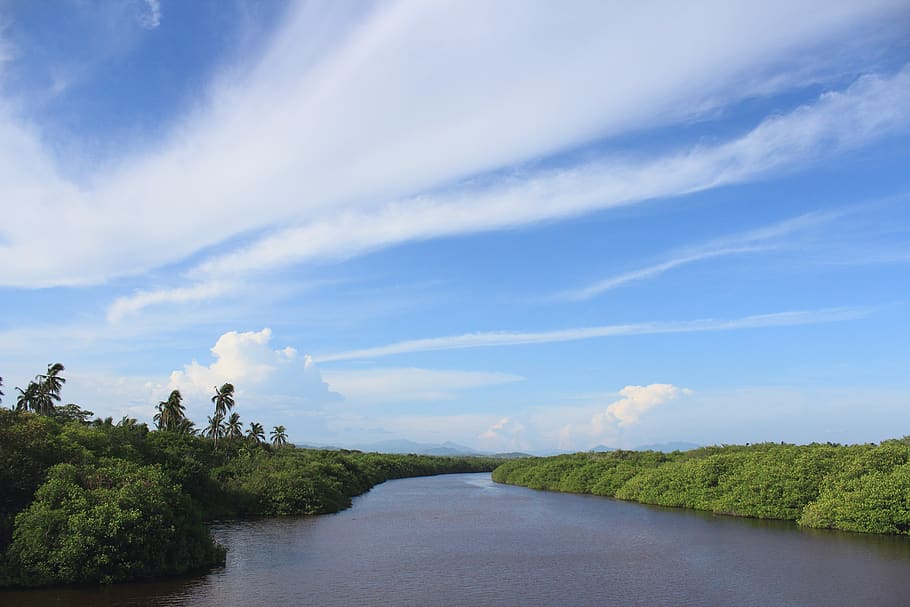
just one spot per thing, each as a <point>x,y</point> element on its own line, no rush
<point>509,225</point>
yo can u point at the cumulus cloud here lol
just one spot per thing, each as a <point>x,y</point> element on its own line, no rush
<point>588,422</point>
<point>326,154</point>
<point>507,433</point>
<point>263,376</point>
<point>635,402</point>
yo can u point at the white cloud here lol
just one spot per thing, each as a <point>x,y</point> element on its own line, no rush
<point>263,377</point>
<point>239,357</point>
<point>506,433</point>
<point>150,16</point>
<point>753,241</point>
<point>504,338</point>
<point>409,384</point>
<point>571,426</point>
<point>110,395</point>
<point>132,304</point>
<point>869,108</point>
<point>584,421</point>
<point>635,402</point>
<point>315,130</point>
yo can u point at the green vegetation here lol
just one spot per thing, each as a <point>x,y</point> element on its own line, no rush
<point>863,488</point>
<point>97,502</point>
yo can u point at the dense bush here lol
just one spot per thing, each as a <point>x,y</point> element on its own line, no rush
<point>107,522</point>
<point>102,502</point>
<point>864,488</point>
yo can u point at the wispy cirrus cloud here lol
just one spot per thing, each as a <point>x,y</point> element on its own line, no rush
<point>869,108</point>
<point>332,139</point>
<point>505,338</point>
<point>753,241</point>
<point>131,304</point>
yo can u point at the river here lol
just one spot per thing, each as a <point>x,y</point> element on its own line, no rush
<point>464,540</point>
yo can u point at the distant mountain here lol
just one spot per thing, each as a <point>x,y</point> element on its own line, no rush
<point>450,448</point>
<point>551,452</point>
<point>668,447</point>
<point>407,446</point>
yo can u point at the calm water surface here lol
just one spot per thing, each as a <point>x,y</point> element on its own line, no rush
<point>463,540</point>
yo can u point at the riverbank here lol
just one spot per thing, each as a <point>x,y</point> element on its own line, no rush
<point>860,488</point>
<point>460,539</point>
<point>89,503</point>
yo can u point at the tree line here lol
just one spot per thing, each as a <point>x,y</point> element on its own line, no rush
<point>860,488</point>
<point>41,395</point>
<point>171,416</point>
<point>92,501</point>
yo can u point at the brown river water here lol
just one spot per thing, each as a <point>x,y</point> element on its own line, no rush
<point>464,540</point>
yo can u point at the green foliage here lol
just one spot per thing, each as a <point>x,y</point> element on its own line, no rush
<point>871,493</point>
<point>101,502</point>
<point>107,522</point>
<point>864,488</point>
<point>279,436</point>
<point>41,394</point>
<point>29,445</point>
<point>223,399</point>
<point>72,413</point>
<point>171,412</point>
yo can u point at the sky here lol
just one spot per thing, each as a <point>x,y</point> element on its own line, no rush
<point>514,225</point>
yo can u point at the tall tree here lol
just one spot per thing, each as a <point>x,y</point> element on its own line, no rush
<point>215,429</point>
<point>1,391</point>
<point>28,398</point>
<point>234,428</point>
<point>52,382</point>
<point>48,390</point>
<point>170,412</point>
<point>72,412</point>
<point>160,418</point>
<point>223,399</point>
<point>279,436</point>
<point>256,431</point>
<point>186,426</point>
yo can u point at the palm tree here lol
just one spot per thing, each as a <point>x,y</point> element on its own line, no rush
<point>256,431</point>
<point>186,426</point>
<point>170,412</point>
<point>223,399</point>
<point>44,401</point>
<point>28,398</point>
<point>52,382</point>
<point>279,436</point>
<point>215,429</point>
<point>234,428</point>
<point>47,390</point>
<point>127,422</point>
<point>160,418</point>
